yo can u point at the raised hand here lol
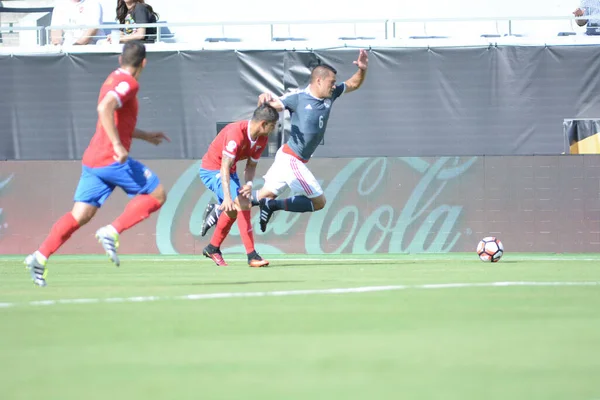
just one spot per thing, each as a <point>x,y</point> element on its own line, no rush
<point>363,60</point>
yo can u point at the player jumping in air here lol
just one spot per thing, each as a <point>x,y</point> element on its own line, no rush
<point>237,141</point>
<point>106,164</point>
<point>309,109</point>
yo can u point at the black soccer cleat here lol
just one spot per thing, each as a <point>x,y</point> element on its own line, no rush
<point>265,214</point>
<point>210,218</point>
<point>214,253</point>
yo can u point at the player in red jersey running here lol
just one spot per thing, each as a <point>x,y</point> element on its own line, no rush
<point>236,142</point>
<point>106,164</point>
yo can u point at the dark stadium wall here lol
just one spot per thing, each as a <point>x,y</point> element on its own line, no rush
<point>415,101</point>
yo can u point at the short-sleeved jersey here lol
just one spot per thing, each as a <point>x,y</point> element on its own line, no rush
<point>309,119</point>
<point>233,141</point>
<point>124,88</point>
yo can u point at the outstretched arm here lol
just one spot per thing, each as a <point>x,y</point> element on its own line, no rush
<point>155,138</point>
<point>358,78</point>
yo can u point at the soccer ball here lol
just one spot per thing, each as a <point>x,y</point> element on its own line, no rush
<point>490,249</point>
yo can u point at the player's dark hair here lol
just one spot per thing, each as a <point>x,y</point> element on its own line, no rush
<point>134,52</point>
<point>321,71</point>
<point>265,112</point>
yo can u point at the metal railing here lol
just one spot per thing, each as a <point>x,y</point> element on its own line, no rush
<point>388,26</point>
<point>16,29</point>
<point>221,24</point>
<point>509,20</point>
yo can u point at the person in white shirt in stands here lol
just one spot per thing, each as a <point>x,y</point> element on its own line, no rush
<point>589,7</point>
<point>76,12</point>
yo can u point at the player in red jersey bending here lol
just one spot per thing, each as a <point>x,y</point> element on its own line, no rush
<point>237,141</point>
<point>106,164</point>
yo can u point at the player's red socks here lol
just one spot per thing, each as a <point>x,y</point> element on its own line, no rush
<point>246,233</point>
<point>61,231</point>
<point>137,210</point>
<point>222,229</point>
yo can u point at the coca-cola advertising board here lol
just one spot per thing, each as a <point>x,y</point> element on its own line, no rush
<point>374,205</point>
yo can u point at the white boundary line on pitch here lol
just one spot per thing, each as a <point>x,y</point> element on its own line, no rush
<point>340,259</point>
<point>334,258</point>
<point>281,293</point>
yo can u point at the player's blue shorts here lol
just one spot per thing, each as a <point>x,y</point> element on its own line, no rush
<point>96,184</point>
<point>212,180</point>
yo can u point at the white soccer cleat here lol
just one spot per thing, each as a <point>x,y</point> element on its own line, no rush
<point>36,264</point>
<point>108,237</point>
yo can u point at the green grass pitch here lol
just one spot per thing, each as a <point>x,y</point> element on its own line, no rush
<point>178,327</point>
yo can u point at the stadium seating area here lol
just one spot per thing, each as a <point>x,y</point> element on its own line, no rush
<point>26,26</point>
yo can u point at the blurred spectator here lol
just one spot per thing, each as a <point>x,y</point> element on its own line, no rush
<point>136,12</point>
<point>589,7</point>
<point>76,12</point>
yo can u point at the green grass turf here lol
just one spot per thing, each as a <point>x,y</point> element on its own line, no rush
<point>448,343</point>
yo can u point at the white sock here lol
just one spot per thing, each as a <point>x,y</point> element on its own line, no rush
<point>112,229</point>
<point>40,257</point>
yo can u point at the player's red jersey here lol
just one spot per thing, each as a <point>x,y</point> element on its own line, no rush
<point>233,141</point>
<point>124,87</point>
